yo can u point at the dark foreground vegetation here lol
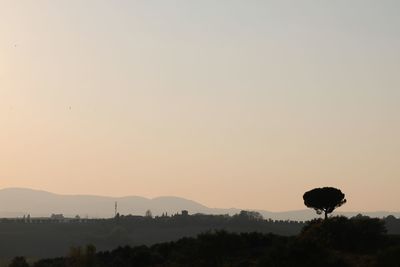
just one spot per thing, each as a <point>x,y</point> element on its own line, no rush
<point>338,241</point>
<point>52,238</point>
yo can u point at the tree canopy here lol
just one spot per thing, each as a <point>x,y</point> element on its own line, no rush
<point>19,262</point>
<point>324,200</point>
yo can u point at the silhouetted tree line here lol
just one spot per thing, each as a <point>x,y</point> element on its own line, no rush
<point>338,241</point>
<point>55,238</point>
<point>105,234</point>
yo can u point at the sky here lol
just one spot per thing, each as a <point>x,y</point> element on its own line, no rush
<point>243,104</point>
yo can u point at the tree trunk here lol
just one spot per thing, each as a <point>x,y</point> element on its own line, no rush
<point>326,215</point>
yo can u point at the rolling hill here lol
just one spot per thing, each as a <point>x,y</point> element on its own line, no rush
<point>16,202</point>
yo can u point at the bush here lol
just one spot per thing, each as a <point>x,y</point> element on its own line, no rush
<point>356,234</point>
<point>19,262</point>
<point>389,257</point>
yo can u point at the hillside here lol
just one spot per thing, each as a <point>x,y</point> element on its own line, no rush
<point>17,202</point>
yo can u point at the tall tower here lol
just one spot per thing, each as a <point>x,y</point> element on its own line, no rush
<point>116,209</point>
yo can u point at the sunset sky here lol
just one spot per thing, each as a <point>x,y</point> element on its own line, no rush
<point>243,104</point>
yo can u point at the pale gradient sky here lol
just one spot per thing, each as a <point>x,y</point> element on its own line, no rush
<point>230,103</point>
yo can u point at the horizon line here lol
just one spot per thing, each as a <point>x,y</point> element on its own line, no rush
<point>183,198</point>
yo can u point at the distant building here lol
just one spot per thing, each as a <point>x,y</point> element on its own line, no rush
<point>57,217</point>
<point>185,213</point>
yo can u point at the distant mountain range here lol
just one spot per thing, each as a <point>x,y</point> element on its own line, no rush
<point>17,202</point>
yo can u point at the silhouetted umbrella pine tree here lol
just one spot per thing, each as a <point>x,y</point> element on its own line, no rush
<point>324,200</point>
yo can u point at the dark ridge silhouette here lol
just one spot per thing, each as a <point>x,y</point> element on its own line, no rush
<point>336,242</point>
<point>57,234</point>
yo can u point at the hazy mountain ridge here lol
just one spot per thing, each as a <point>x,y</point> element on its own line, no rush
<point>16,202</point>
